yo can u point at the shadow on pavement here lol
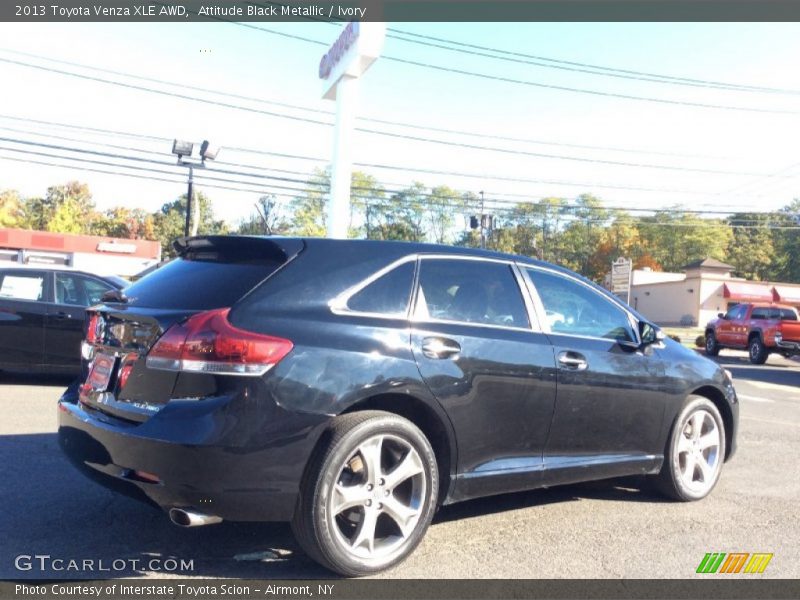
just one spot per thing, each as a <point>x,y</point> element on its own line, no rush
<point>773,371</point>
<point>44,379</point>
<point>633,489</point>
<point>51,509</point>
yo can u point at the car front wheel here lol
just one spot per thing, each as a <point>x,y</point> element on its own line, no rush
<point>368,495</point>
<point>695,452</point>
<point>712,347</point>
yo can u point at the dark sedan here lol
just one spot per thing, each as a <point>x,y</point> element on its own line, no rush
<point>351,387</point>
<point>42,312</point>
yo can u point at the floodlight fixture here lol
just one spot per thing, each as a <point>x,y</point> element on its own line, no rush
<point>208,151</point>
<point>182,148</point>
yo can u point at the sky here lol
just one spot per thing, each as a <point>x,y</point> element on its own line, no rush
<point>673,154</point>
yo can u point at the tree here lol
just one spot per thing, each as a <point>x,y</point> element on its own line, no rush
<point>126,223</point>
<point>751,249</point>
<point>399,217</point>
<point>619,239</point>
<point>675,238</point>
<point>169,222</point>
<point>442,204</point>
<point>787,243</point>
<point>68,208</point>
<point>308,209</point>
<point>268,219</point>
<point>11,209</point>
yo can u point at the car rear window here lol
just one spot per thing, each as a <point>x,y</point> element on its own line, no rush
<point>211,273</point>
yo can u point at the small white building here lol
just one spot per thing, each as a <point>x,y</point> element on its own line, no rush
<point>704,289</point>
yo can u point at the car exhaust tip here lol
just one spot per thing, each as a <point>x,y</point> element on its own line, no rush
<point>189,518</point>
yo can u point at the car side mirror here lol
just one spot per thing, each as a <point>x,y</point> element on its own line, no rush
<point>721,315</point>
<point>649,333</point>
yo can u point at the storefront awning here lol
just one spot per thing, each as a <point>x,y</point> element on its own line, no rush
<point>786,295</point>
<point>747,292</point>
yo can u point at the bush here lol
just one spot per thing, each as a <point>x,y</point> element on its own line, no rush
<point>700,341</point>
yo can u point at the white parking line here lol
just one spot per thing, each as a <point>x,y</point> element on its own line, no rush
<point>749,398</point>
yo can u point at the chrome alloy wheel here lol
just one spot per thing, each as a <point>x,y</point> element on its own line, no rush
<point>377,501</point>
<point>698,451</point>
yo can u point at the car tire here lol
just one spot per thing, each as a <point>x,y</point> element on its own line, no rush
<point>371,469</point>
<point>757,351</point>
<point>712,346</point>
<point>694,453</point>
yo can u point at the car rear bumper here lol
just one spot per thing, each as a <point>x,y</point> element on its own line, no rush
<point>221,456</point>
<point>787,346</point>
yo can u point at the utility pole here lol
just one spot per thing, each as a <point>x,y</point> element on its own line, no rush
<point>183,149</point>
<point>483,230</point>
<point>189,196</point>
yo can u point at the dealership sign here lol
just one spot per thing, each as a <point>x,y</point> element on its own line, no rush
<point>621,271</point>
<point>351,54</point>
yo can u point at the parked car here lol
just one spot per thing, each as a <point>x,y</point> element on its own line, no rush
<point>351,387</point>
<point>761,328</point>
<point>42,311</point>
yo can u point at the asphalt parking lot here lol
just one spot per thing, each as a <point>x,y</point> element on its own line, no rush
<point>604,529</point>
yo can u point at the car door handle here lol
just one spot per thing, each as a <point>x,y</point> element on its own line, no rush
<point>62,315</point>
<point>440,348</point>
<point>573,361</point>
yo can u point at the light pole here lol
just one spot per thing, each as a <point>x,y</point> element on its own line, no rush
<point>184,149</point>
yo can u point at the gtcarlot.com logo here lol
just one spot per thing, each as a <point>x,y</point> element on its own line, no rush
<point>48,563</point>
<point>734,562</point>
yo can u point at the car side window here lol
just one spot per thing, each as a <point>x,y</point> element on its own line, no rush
<point>575,309</point>
<point>76,290</point>
<point>470,291</point>
<point>787,314</point>
<point>22,286</point>
<point>94,290</point>
<point>733,312</point>
<point>760,313</point>
<point>388,294</point>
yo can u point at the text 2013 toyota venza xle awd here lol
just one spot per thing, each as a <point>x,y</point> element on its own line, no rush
<point>351,387</point>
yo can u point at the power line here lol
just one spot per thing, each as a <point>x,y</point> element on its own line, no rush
<point>384,133</point>
<point>363,119</point>
<point>559,63</point>
<point>411,169</point>
<point>525,82</point>
<point>407,190</point>
<point>580,67</point>
<point>409,193</point>
<point>363,197</point>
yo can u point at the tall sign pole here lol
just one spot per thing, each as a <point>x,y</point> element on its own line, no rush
<point>351,55</point>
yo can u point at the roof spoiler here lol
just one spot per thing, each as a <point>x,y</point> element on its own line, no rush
<point>275,248</point>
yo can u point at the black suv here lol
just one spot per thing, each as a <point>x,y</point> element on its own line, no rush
<point>353,386</point>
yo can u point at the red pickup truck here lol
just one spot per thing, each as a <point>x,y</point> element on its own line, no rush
<point>761,328</point>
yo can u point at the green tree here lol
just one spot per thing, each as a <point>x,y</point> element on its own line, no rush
<point>11,209</point>
<point>787,243</point>
<point>308,209</point>
<point>169,222</point>
<point>751,249</point>
<point>68,208</point>
<point>676,238</point>
<point>268,219</point>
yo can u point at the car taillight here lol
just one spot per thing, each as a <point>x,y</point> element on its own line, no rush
<point>91,328</point>
<point>125,369</point>
<point>208,343</point>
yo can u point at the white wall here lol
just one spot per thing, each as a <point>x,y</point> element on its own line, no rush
<point>667,303</point>
<point>100,264</point>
